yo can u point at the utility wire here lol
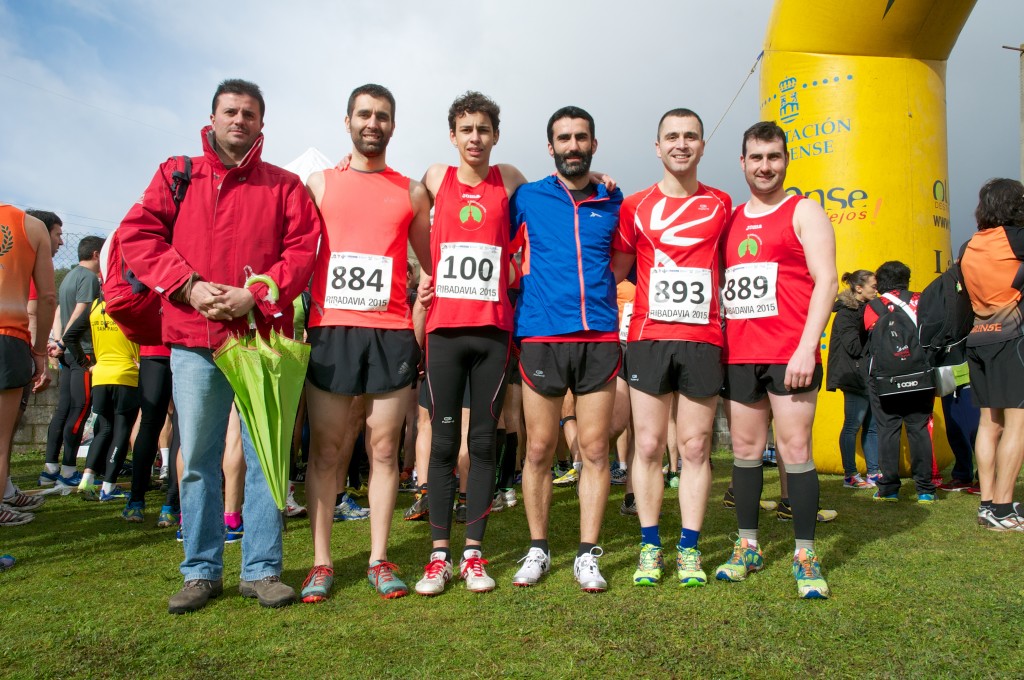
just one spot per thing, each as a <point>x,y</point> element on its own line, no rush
<point>742,85</point>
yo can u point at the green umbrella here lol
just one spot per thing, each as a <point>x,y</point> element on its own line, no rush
<point>267,376</point>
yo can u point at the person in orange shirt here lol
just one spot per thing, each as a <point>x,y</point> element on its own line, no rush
<point>25,259</point>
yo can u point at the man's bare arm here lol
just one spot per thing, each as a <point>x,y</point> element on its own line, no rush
<point>621,264</point>
<point>419,230</point>
<point>46,302</point>
<point>315,184</point>
<point>815,232</point>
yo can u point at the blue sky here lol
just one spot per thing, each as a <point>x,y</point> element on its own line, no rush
<point>97,93</point>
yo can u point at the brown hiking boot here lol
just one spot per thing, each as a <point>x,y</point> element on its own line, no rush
<point>270,591</point>
<point>194,595</point>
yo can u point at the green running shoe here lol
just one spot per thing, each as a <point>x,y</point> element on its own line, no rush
<point>649,568</point>
<point>688,568</point>
<point>809,581</point>
<point>381,576</point>
<point>745,559</point>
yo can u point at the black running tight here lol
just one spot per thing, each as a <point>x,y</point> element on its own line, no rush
<point>116,407</point>
<point>154,398</point>
<point>452,356</point>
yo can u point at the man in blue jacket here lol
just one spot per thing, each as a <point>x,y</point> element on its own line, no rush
<point>567,319</point>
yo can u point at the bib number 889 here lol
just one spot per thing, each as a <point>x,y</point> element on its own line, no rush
<point>745,288</point>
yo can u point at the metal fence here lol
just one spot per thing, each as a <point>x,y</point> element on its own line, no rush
<point>67,256</point>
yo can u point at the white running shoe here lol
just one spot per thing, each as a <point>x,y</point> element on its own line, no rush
<point>292,507</point>
<point>587,574</point>
<point>436,575</point>
<point>510,498</point>
<point>471,570</point>
<point>536,563</point>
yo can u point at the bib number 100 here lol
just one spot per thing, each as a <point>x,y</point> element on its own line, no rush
<point>469,268</point>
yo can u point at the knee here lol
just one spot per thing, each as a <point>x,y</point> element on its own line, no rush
<point>649,447</point>
<point>795,452</point>
<point>695,450</point>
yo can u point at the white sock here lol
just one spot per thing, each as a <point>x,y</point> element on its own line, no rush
<point>108,487</point>
<point>88,478</point>
<point>164,456</point>
<point>52,467</point>
<point>10,490</point>
<point>67,470</point>
<point>578,466</point>
<point>622,466</point>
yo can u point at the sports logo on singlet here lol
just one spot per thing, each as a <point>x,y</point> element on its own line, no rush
<point>468,271</point>
<point>473,213</point>
<point>358,282</point>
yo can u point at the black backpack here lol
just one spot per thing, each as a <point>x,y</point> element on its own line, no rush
<point>945,317</point>
<point>899,364</point>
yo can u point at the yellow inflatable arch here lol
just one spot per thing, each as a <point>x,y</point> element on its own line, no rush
<point>859,88</point>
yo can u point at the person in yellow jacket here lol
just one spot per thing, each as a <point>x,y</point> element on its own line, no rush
<point>115,401</point>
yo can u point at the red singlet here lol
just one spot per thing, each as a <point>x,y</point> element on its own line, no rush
<point>676,243</point>
<point>360,274</point>
<point>767,287</point>
<point>469,243</point>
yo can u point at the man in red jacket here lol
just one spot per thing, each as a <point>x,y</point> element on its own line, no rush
<point>239,215</point>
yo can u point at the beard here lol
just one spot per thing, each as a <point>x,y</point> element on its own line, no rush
<point>370,147</point>
<point>573,165</point>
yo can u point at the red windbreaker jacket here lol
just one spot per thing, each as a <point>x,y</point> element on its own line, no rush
<point>256,215</point>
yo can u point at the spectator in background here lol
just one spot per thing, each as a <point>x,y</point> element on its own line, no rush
<point>992,270</point>
<point>847,362</point>
<point>79,288</point>
<point>25,258</point>
<point>894,411</point>
<point>12,495</point>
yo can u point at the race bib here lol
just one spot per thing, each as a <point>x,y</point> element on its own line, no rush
<point>679,295</point>
<point>750,290</point>
<point>469,271</point>
<point>627,314</point>
<point>358,282</point>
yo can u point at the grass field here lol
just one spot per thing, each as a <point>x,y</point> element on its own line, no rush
<point>917,592</point>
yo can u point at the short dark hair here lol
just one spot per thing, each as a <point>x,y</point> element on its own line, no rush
<point>892,275</point>
<point>239,86</point>
<point>1000,204</point>
<point>857,278</point>
<point>48,218</point>
<point>569,112</point>
<point>474,102</point>
<point>375,91</point>
<point>765,131</point>
<point>89,245</point>
<point>681,113</point>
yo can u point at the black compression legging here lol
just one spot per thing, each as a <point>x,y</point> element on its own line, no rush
<point>116,407</point>
<point>154,397</point>
<point>173,492</point>
<point>68,422</point>
<point>481,355</point>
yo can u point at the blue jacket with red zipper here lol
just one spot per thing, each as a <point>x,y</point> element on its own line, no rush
<point>567,284</point>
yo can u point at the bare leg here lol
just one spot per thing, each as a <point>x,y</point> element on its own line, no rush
<point>594,414</point>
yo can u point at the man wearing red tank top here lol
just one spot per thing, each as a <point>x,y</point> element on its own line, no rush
<point>780,283</point>
<point>675,338</point>
<point>360,330</point>
<point>469,326</point>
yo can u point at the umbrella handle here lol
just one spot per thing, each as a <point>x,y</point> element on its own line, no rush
<point>273,294</point>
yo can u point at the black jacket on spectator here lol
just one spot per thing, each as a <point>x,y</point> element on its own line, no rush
<point>847,363</point>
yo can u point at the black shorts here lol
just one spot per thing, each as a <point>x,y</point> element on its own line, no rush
<point>115,399</point>
<point>551,368</point>
<point>694,369</point>
<point>351,361</point>
<point>624,350</point>
<point>750,383</point>
<point>16,364</point>
<point>997,374</point>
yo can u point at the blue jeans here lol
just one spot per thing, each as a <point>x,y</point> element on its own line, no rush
<point>858,416</point>
<point>961,416</point>
<point>202,398</point>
